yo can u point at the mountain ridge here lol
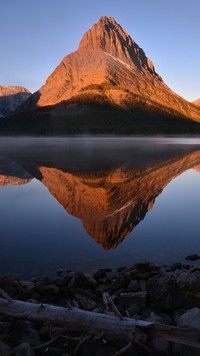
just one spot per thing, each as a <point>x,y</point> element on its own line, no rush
<point>11,97</point>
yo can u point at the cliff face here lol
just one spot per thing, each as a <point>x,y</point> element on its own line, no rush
<point>111,205</point>
<point>109,67</point>
<point>11,97</point>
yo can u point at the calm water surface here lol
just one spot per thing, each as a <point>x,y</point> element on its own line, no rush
<point>87,203</point>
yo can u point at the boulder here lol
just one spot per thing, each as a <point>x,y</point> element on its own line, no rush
<point>5,350</point>
<point>190,319</point>
<point>24,350</point>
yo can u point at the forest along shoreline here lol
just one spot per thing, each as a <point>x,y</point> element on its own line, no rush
<point>167,295</point>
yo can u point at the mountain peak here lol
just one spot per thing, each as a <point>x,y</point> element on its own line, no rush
<point>110,68</point>
<point>109,36</point>
<point>107,20</point>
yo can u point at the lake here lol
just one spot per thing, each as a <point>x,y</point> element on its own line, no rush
<point>90,202</point>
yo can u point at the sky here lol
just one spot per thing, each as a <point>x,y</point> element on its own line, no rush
<point>36,35</point>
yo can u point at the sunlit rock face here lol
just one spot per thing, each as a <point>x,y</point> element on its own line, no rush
<point>11,97</point>
<point>111,203</point>
<point>197,102</point>
<point>108,67</point>
<point>12,173</point>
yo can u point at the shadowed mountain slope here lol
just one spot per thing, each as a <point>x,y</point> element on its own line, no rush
<point>11,97</point>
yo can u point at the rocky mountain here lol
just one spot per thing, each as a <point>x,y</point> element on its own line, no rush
<point>108,56</point>
<point>197,102</point>
<point>108,84</point>
<point>11,97</point>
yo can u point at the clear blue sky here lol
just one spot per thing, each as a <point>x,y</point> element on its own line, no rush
<point>36,35</point>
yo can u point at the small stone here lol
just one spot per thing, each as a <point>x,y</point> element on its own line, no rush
<point>54,351</point>
<point>59,271</point>
<point>106,351</point>
<point>188,351</point>
<point>177,265</point>
<point>82,281</point>
<point>117,283</point>
<point>142,285</point>
<point>147,267</point>
<point>100,273</point>
<point>30,286</point>
<point>120,269</point>
<point>133,286</point>
<point>166,319</point>
<point>24,350</point>
<point>64,292</point>
<point>188,279</point>
<point>137,301</point>
<point>22,332</point>
<point>90,348</point>
<point>50,289</point>
<point>86,300</point>
<point>190,319</point>
<point>155,318</point>
<point>42,282</point>
<point>161,346</point>
<point>192,257</point>
<point>5,350</point>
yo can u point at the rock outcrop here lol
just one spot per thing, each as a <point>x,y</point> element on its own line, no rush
<point>11,97</point>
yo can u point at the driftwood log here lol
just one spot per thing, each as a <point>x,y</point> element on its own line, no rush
<point>112,327</point>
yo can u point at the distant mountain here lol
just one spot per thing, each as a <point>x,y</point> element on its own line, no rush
<point>197,102</point>
<point>11,97</point>
<point>108,85</point>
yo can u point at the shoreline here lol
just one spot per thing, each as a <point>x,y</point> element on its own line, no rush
<point>147,291</point>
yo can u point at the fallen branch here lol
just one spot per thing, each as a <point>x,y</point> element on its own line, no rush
<point>46,344</point>
<point>81,342</point>
<point>109,300</point>
<point>78,320</point>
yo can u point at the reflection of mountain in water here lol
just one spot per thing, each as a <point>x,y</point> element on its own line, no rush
<point>111,200</point>
<point>12,173</point>
<point>111,205</point>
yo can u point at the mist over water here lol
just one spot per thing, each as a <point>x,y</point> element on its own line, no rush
<point>84,203</point>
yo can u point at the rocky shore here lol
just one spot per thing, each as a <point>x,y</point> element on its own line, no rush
<point>163,294</point>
